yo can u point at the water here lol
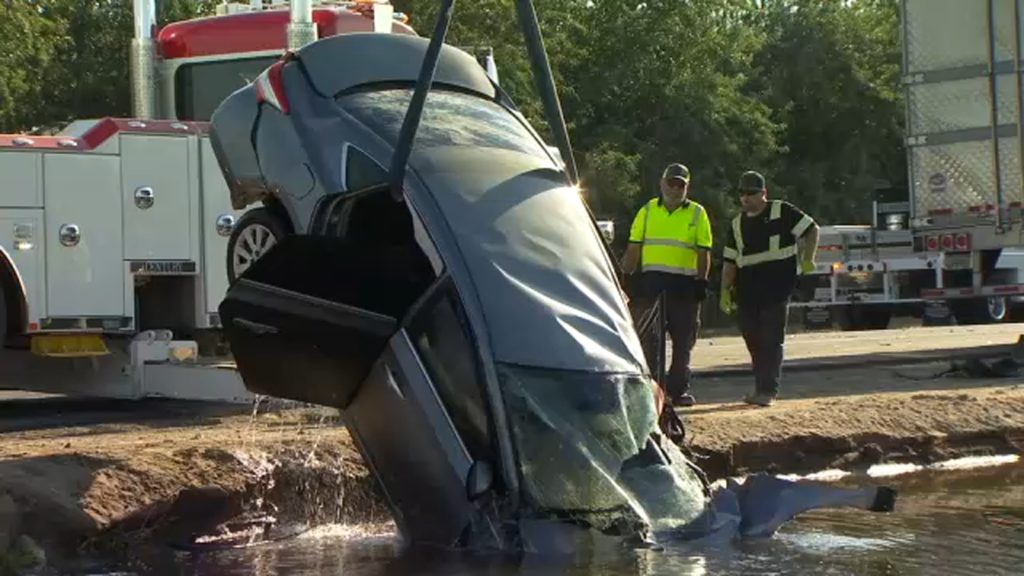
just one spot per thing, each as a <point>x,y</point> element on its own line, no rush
<point>946,522</point>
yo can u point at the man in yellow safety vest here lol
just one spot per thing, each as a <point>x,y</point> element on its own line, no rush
<point>670,245</point>
<point>771,242</point>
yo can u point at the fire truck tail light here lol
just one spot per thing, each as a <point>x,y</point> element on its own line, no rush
<point>932,243</point>
<point>270,88</point>
<point>947,241</point>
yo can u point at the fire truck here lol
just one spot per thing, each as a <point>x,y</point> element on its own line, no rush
<point>117,235</point>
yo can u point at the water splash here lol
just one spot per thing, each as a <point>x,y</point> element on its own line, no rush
<point>829,475</point>
<point>965,463</point>
<point>251,428</point>
<point>318,432</point>
<point>262,467</point>
<point>354,532</point>
<point>889,470</point>
<point>970,462</point>
<point>248,533</point>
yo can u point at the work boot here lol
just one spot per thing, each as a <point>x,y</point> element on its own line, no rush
<point>759,399</point>
<point>683,400</point>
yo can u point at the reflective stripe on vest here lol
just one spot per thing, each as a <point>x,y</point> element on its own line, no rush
<point>773,253</point>
<point>667,254</point>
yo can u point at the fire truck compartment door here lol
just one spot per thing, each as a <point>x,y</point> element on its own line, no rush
<point>85,274</point>
<point>157,197</point>
<point>216,206</point>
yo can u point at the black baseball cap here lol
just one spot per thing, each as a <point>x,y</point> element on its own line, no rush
<point>751,181</point>
<point>676,172</point>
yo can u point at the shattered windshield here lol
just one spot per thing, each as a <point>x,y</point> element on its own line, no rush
<point>586,451</point>
<point>449,119</point>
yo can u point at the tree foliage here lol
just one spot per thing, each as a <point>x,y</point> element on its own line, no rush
<point>805,91</point>
<point>67,59</point>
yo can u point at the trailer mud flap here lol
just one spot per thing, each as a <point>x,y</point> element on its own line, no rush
<point>309,319</point>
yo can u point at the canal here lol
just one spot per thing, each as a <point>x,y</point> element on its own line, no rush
<point>946,522</point>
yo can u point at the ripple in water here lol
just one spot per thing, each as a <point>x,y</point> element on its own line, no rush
<point>945,523</point>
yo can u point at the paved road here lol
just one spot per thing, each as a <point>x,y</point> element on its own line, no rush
<point>729,389</point>
<point>820,349</point>
<point>722,364</point>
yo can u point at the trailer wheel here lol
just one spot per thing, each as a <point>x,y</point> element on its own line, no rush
<point>980,311</point>
<point>997,308</point>
<point>257,231</point>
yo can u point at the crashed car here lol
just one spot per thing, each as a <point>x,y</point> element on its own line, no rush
<point>471,329</point>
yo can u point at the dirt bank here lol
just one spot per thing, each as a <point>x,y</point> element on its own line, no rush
<point>100,480</point>
<point>855,431</point>
<point>98,487</point>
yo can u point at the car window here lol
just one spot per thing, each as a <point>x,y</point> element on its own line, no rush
<point>441,338</point>
<point>361,171</point>
<point>449,119</point>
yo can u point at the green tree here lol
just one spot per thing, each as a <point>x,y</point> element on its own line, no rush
<point>67,59</point>
<point>829,72</point>
<point>27,50</point>
<point>666,84</point>
<point>805,91</point>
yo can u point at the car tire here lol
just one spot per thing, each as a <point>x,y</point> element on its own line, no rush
<point>256,232</point>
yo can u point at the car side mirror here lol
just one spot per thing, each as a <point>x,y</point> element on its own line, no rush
<point>479,480</point>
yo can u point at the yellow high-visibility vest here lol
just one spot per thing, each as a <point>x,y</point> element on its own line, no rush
<point>671,239</point>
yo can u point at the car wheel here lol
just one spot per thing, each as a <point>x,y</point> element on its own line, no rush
<point>256,232</point>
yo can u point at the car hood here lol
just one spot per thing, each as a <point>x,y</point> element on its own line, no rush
<point>543,278</point>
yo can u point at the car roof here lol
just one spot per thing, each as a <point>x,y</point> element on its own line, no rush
<point>347,61</point>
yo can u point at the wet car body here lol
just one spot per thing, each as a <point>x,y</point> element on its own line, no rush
<point>472,333</point>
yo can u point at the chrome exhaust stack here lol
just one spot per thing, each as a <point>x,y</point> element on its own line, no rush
<point>301,29</point>
<point>143,60</point>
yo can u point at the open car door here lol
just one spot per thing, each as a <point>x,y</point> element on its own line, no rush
<point>301,328</point>
<point>357,317</point>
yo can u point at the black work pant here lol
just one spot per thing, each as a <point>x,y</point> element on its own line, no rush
<point>764,330</point>
<point>683,322</point>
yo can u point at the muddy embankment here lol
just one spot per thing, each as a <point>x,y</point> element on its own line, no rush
<point>854,432</point>
<point>104,488</point>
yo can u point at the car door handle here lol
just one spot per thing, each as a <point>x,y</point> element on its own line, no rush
<point>255,327</point>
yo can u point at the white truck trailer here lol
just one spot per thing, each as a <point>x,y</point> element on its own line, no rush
<point>941,250</point>
<point>114,232</point>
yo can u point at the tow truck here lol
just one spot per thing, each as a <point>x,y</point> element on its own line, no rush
<point>115,233</point>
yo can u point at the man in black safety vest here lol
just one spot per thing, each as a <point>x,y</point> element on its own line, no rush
<point>770,243</point>
<point>670,243</point>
